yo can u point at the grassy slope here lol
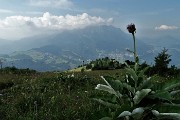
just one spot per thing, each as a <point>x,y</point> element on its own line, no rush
<point>51,95</point>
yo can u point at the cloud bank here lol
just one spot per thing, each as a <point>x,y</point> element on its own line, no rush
<point>23,26</point>
<point>166,27</point>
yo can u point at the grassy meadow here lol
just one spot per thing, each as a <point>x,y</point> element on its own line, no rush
<point>54,95</point>
<point>51,95</point>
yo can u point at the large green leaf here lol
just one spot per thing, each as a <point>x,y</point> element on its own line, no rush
<point>146,84</point>
<point>115,84</point>
<point>168,107</point>
<point>131,72</point>
<point>171,116</point>
<point>175,92</point>
<point>173,86</point>
<point>106,118</point>
<point>128,87</point>
<point>137,113</point>
<point>129,80</point>
<point>106,81</point>
<point>140,95</point>
<point>108,104</point>
<point>112,91</point>
<point>163,95</point>
<point>139,110</point>
<point>136,67</point>
<point>124,114</point>
<point>108,89</point>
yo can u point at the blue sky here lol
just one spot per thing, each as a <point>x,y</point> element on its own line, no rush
<point>152,17</point>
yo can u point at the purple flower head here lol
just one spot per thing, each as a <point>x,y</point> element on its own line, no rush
<point>131,28</point>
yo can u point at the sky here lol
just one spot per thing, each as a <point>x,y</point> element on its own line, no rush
<point>23,18</point>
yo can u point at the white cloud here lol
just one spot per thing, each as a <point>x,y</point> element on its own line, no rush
<point>166,27</point>
<point>24,26</point>
<point>52,3</point>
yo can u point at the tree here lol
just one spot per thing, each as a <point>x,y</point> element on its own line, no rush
<point>103,64</point>
<point>162,61</point>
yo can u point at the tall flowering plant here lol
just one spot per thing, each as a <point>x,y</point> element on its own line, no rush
<point>137,97</point>
<point>132,29</point>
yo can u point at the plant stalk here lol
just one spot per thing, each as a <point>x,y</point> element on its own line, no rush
<point>135,55</point>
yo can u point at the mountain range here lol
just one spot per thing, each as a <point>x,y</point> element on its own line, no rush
<point>68,49</point>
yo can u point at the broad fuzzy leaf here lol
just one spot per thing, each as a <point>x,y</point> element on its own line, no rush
<point>108,104</point>
<point>169,107</point>
<point>107,89</point>
<point>163,95</point>
<point>136,67</point>
<point>131,72</point>
<point>106,118</point>
<point>146,84</point>
<point>105,81</point>
<point>112,91</point>
<point>139,110</point>
<point>140,95</point>
<point>173,93</point>
<point>128,87</point>
<point>115,84</point>
<point>124,114</point>
<point>137,113</point>
<point>172,116</point>
<point>173,86</point>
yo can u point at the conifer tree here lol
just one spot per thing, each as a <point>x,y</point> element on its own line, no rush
<point>162,61</point>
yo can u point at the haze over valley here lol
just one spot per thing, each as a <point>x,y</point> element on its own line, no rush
<point>59,35</point>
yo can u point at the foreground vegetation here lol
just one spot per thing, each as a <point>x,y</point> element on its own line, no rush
<point>55,95</point>
<point>137,97</point>
<point>51,95</point>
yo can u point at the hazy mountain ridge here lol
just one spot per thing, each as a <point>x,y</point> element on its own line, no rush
<point>41,60</point>
<point>65,50</point>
